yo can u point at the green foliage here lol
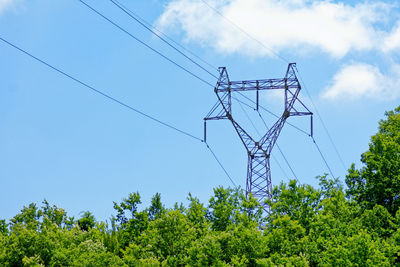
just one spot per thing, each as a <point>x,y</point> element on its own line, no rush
<point>131,221</point>
<point>3,227</point>
<point>28,217</point>
<point>196,214</point>
<point>128,205</point>
<point>299,202</point>
<point>222,207</point>
<point>87,221</point>
<point>156,208</point>
<point>305,226</point>
<point>378,182</point>
<point>53,215</point>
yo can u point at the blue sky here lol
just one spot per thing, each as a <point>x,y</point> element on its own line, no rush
<point>61,142</point>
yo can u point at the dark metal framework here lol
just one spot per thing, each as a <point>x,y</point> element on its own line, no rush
<point>258,181</point>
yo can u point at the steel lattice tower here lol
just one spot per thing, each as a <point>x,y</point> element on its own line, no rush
<point>258,181</point>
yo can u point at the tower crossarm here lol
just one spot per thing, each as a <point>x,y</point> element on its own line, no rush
<point>223,109</point>
<point>253,85</point>
<point>292,90</point>
<point>223,106</point>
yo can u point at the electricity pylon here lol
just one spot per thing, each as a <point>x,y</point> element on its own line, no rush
<point>258,182</point>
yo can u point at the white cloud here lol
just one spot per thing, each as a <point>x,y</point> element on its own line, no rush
<point>392,41</point>
<point>360,80</point>
<point>335,28</point>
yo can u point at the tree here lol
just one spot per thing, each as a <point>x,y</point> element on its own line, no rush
<point>156,208</point>
<point>3,227</point>
<point>167,239</point>
<point>29,217</point>
<point>300,202</point>
<point>223,205</point>
<point>130,227</point>
<point>378,181</point>
<point>87,221</point>
<point>305,227</point>
<point>197,215</point>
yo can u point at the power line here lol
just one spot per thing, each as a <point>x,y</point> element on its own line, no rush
<point>100,92</point>
<point>161,38</point>
<point>322,121</point>
<point>167,37</point>
<point>220,164</point>
<point>145,44</point>
<point>246,33</point>
<point>281,168</point>
<point>172,61</point>
<point>323,158</point>
<point>118,102</point>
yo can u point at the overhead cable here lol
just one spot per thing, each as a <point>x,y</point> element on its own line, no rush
<point>322,121</point>
<point>323,157</point>
<point>220,164</point>
<point>109,97</point>
<point>170,60</point>
<point>166,36</point>
<point>100,92</point>
<point>126,11</point>
<point>145,44</point>
<point>246,33</point>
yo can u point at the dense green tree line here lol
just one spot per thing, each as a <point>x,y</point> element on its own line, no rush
<point>326,226</point>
